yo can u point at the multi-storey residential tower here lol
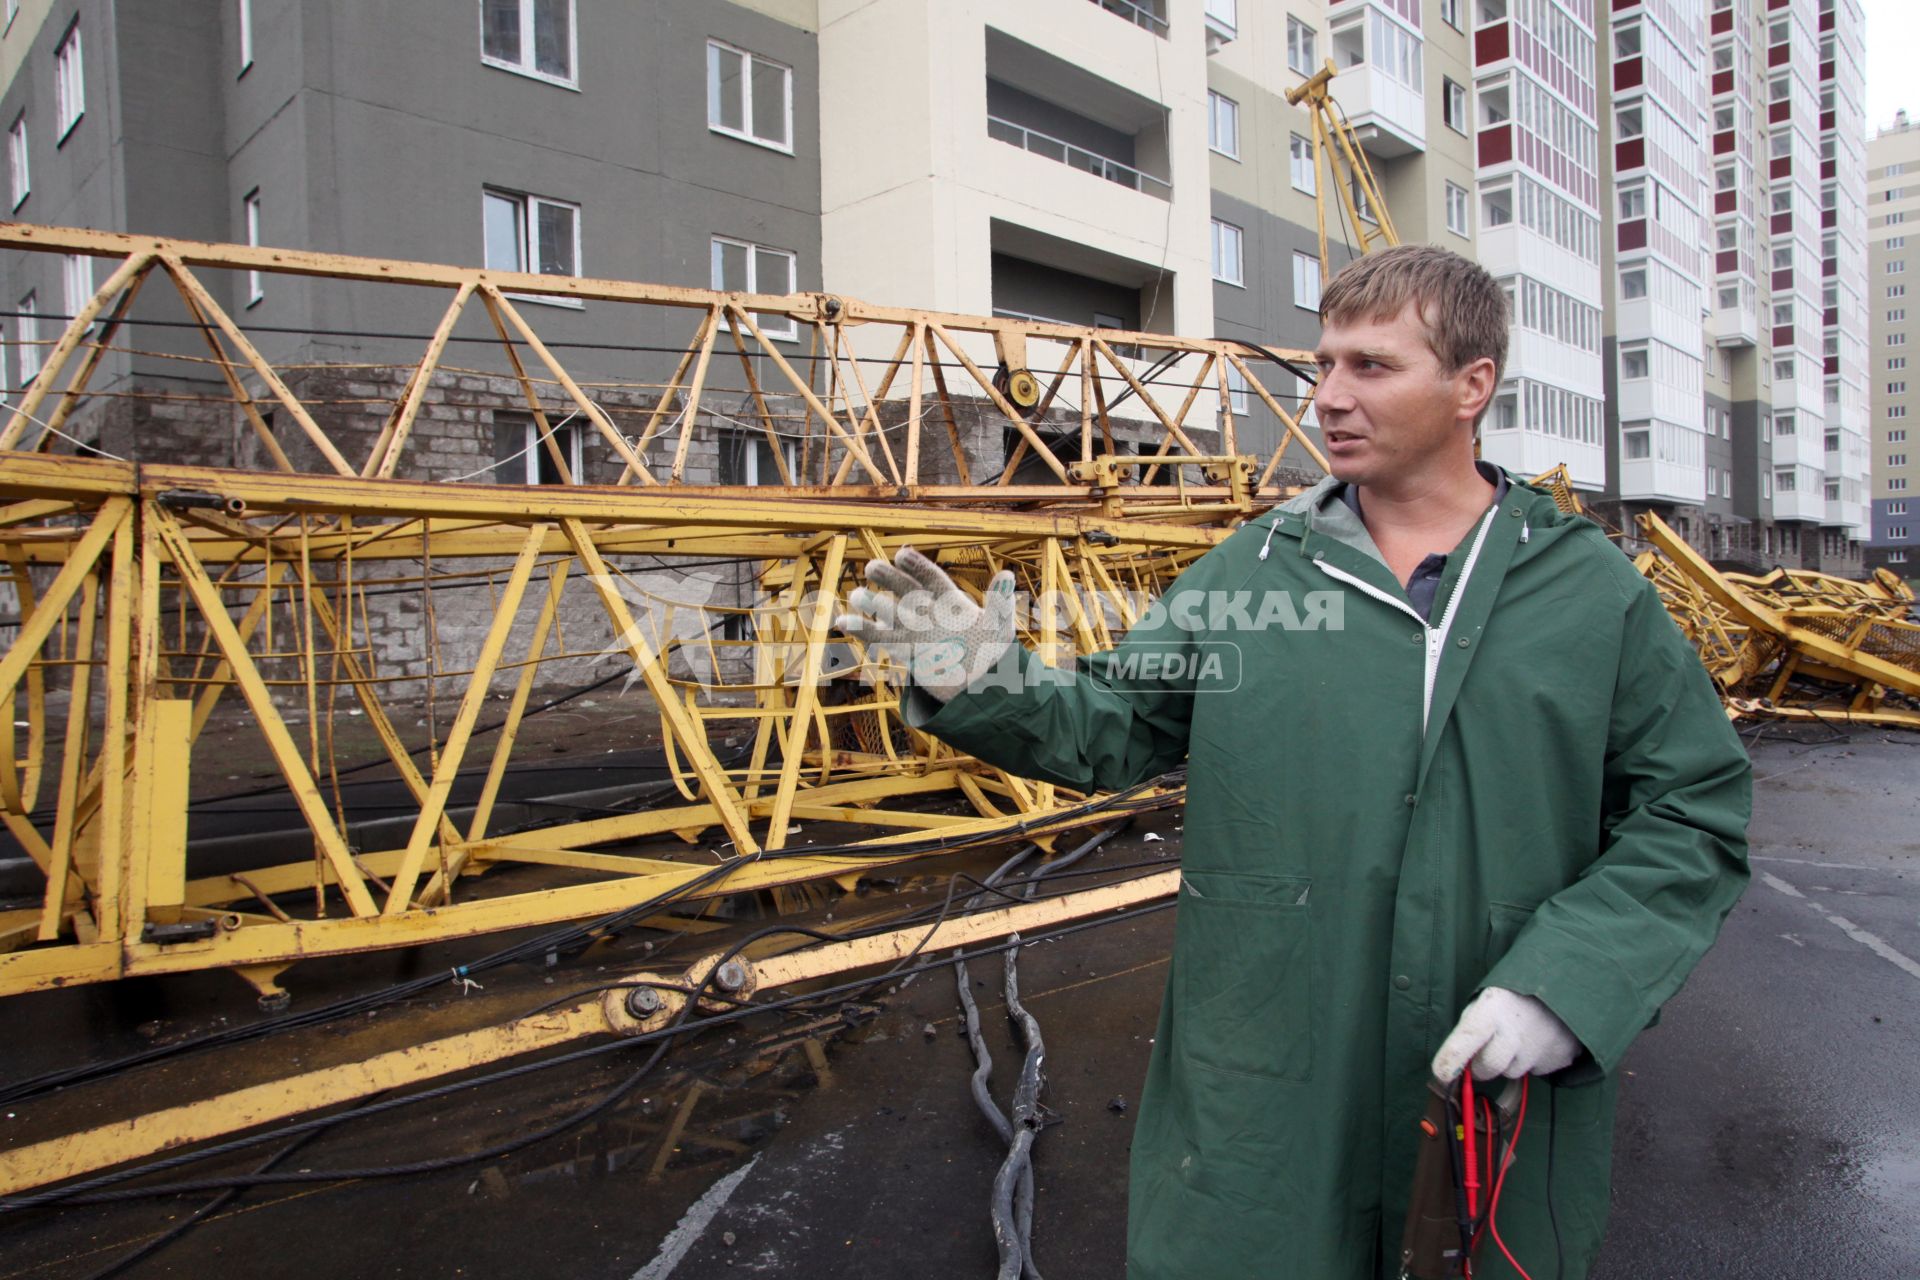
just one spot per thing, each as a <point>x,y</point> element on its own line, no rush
<point>1539,194</point>
<point>1893,215</point>
<point>1752,440</point>
<point>1668,188</point>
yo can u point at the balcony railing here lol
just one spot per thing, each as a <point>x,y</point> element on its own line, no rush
<point>1140,15</point>
<point>1077,157</point>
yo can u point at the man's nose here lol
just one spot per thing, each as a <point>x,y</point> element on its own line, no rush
<point>1332,393</point>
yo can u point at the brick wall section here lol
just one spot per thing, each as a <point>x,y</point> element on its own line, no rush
<point>457,436</point>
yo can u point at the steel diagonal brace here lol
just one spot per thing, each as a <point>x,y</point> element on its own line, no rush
<point>1746,609</point>
<point>693,740</point>
<point>105,1146</point>
<point>313,807</point>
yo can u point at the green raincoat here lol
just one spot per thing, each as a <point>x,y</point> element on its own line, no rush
<point>1570,825</point>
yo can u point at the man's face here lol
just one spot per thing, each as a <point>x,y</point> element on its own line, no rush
<point>1388,412</point>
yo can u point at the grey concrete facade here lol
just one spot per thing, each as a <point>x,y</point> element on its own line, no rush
<point>374,130</point>
<point>1263,309</point>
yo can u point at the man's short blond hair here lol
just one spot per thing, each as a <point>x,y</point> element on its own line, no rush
<point>1463,308</point>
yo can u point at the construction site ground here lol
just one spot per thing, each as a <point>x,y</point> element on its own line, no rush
<point>1766,1127</point>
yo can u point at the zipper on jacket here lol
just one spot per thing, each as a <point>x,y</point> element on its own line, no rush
<point>1436,637</point>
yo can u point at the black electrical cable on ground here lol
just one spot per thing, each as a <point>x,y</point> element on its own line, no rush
<point>104,1188</point>
<point>1012,1222</point>
<point>150,1247</point>
<point>562,938</point>
<point>1027,1119</point>
<point>1013,1196</point>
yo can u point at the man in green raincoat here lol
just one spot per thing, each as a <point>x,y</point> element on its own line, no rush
<point>1460,793</point>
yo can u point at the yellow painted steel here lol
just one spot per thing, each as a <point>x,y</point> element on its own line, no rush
<point>1793,645</point>
<point>153,592</point>
<point>107,1145</point>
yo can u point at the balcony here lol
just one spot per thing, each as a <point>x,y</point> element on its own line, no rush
<point>1150,16</point>
<point>1061,111</point>
<point>1380,86</point>
<point>1076,157</point>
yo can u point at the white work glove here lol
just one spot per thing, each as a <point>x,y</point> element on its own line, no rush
<point>1506,1034</point>
<point>928,624</point>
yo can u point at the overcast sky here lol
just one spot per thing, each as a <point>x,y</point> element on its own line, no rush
<point>1893,41</point>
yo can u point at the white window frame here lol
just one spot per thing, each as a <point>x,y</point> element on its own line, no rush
<point>745,134</point>
<point>1229,268</point>
<point>69,83</point>
<point>1641,352</point>
<point>76,282</point>
<point>250,215</point>
<point>19,167</point>
<point>529,244</point>
<point>1458,198</point>
<point>526,66</point>
<point>1453,105</point>
<point>1300,163</point>
<point>246,34</point>
<point>1307,283</point>
<point>1222,109</point>
<point>750,442</point>
<point>1239,393</point>
<point>1304,46</point>
<point>571,434</point>
<point>784,328</point>
<point>28,331</point>
<point>1450,14</point>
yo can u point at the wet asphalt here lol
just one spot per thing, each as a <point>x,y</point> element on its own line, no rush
<point>1769,1125</point>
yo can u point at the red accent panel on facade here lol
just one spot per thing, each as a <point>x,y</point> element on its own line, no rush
<point>1723,22</point>
<point>1783,280</point>
<point>1723,142</point>
<point>1826,70</point>
<point>1722,82</point>
<point>1832,316</point>
<point>1827,169</point>
<point>1826,121</point>
<point>1628,73</point>
<point>1726,260</point>
<point>1782,224</point>
<point>1783,335</point>
<point>1496,144</point>
<point>1780,167</point>
<point>1490,44</point>
<point>1826,19</point>
<point>1827,219</point>
<point>1833,364</point>
<point>1778,55</point>
<point>1631,154</point>
<point>1633,234</point>
<point>1725,201</point>
<point>1778,111</point>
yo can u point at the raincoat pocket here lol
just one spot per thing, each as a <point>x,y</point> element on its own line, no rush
<point>1504,922</point>
<point>1244,988</point>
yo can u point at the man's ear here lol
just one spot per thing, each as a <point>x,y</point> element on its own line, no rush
<point>1476,384</point>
